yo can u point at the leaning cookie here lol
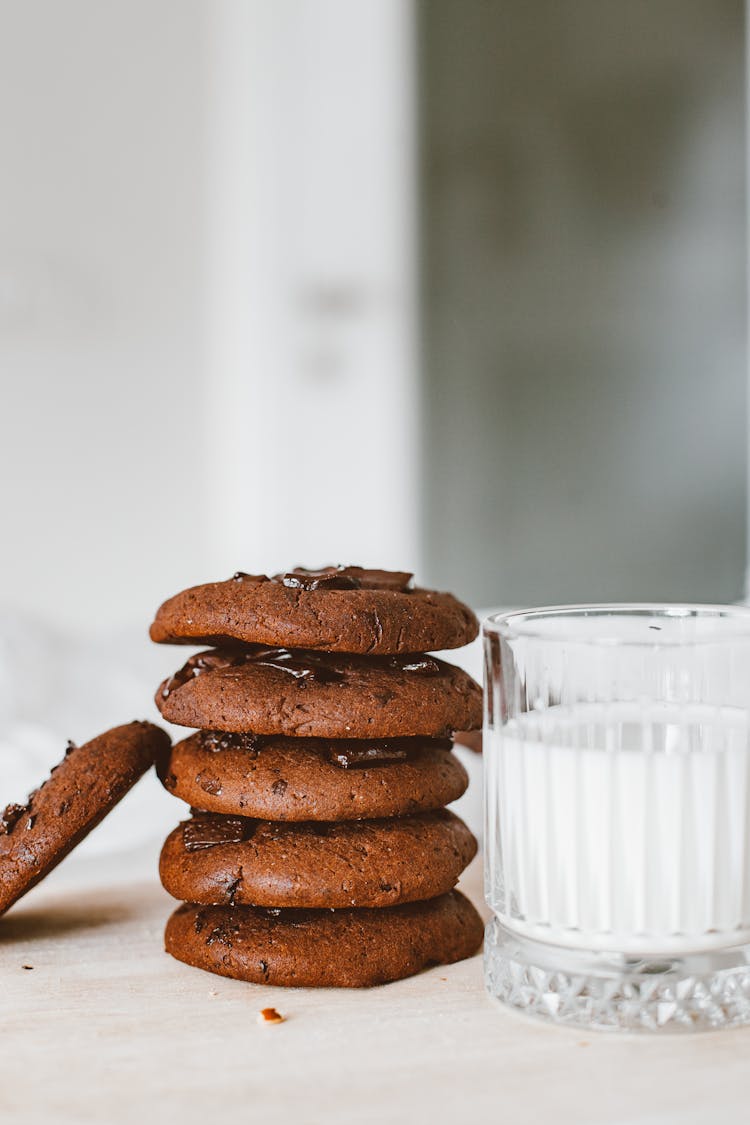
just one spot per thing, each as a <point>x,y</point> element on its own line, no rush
<point>296,779</point>
<point>337,609</point>
<point>320,695</point>
<point>80,792</point>
<point>237,861</point>
<point>354,948</point>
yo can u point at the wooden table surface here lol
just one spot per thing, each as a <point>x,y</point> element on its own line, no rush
<point>107,1028</point>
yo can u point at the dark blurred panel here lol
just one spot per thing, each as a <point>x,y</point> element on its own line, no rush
<point>584,386</point>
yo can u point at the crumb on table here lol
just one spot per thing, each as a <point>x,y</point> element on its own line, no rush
<point>270,1015</point>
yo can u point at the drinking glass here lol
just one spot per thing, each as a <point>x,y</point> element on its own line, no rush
<point>617,814</point>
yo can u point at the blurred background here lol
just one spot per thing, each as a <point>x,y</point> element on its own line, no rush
<point>458,287</point>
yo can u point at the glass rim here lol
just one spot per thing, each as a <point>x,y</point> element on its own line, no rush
<point>520,623</point>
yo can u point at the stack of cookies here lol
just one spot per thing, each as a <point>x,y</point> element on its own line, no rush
<point>319,851</point>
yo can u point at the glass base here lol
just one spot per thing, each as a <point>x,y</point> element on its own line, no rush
<point>613,992</point>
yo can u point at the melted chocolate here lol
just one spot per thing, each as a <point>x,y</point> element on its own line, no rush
<point>349,753</point>
<point>309,667</point>
<point>208,831</point>
<point>302,665</point>
<point>335,578</point>
<point>217,740</point>
<point>354,754</point>
<point>210,661</point>
<point>402,581</point>
<point>421,665</point>
<point>370,754</point>
<point>345,578</point>
<point>330,578</point>
<point>209,783</point>
<point>10,818</point>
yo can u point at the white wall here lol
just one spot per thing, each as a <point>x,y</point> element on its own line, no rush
<point>312,235</point>
<point>206,296</point>
<point>102,141</point>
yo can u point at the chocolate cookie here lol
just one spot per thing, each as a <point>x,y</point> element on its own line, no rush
<point>293,779</point>
<point>233,860</point>
<point>337,609</point>
<point>80,792</point>
<point>318,695</point>
<point>352,948</point>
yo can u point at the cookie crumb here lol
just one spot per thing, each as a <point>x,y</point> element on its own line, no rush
<point>270,1015</point>
<point>584,1043</point>
<point>27,966</point>
<point>213,993</point>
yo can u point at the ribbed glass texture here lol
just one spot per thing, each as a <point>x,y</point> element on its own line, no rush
<point>617,778</point>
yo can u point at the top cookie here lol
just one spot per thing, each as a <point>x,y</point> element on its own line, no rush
<point>336,609</point>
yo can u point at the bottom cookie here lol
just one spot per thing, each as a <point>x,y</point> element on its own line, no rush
<point>353,948</point>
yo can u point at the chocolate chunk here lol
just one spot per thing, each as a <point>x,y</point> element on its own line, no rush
<point>399,580</point>
<point>345,578</point>
<point>209,661</point>
<point>210,831</point>
<point>11,817</point>
<point>209,783</point>
<point>421,665</point>
<point>349,755</point>
<point>352,752</point>
<point>330,578</point>
<point>301,665</point>
<point>334,578</point>
<point>217,740</point>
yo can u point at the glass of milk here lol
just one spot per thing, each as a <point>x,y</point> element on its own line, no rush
<point>617,814</point>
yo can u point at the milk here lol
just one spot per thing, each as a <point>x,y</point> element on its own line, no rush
<point>627,828</point>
